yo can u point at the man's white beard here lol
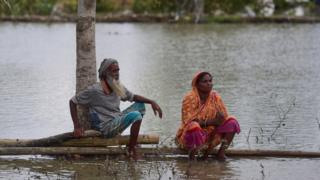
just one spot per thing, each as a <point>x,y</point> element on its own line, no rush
<point>117,87</point>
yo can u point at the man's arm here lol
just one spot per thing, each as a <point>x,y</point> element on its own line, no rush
<point>78,131</point>
<point>155,107</point>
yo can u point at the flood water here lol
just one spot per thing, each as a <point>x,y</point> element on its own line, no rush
<point>267,74</point>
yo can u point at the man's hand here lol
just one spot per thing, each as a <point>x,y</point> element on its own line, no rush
<point>156,109</point>
<point>78,132</point>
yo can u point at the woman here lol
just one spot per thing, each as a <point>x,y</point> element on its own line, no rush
<point>205,121</point>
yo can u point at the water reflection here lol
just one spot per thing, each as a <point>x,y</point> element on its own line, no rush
<point>155,168</point>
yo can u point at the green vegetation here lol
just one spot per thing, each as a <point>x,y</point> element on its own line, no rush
<point>108,6</point>
<point>67,6</point>
<point>227,6</point>
<point>163,6</point>
<point>182,7</point>
<point>26,7</point>
<point>224,19</point>
<point>281,4</point>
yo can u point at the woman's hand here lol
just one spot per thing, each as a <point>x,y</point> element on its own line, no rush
<point>201,123</point>
<point>217,121</point>
<point>219,118</point>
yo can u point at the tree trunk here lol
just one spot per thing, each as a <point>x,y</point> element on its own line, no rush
<point>86,53</point>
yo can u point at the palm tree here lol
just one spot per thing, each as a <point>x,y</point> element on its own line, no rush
<point>86,52</point>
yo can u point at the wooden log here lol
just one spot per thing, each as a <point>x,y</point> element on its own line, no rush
<point>90,138</point>
<point>239,152</point>
<point>48,141</point>
<point>52,140</point>
<point>147,151</point>
<point>103,142</point>
<point>273,153</point>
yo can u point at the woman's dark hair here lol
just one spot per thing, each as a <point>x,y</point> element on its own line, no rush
<point>201,75</point>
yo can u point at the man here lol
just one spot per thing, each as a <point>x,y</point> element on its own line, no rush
<point>103,101</point>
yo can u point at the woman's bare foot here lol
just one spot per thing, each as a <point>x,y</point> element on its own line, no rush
<point>205,155</point>
<point>192,154</point>
<point>221,156</point>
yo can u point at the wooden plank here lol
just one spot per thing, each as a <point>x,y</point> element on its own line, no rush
<point>90,138</point>
<point>147,151</point>
<point>102,142</point>
<point>47,141</point>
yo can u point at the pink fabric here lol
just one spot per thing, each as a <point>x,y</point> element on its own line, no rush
<point>231,125</point>
<point>195,138</point>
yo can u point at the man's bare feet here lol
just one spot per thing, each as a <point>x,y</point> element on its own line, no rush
<point>132,154</point>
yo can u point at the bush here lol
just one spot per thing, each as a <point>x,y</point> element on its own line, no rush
<point>69,6</point>
<point>281,5</point>
<point>26,7</point>
<point>105,6</point>
<point>164,6</point>
<point>228,6</point>
<point>44,7</point>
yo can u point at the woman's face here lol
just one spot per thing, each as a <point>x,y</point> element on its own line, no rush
<point>205,83</point>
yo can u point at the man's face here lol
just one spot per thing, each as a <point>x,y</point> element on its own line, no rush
<point>114,71</point>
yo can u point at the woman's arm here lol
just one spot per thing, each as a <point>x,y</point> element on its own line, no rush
<point>217,121</point>
<point>221,114</point>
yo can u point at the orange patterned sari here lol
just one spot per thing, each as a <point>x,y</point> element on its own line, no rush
<point>193,109</point>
